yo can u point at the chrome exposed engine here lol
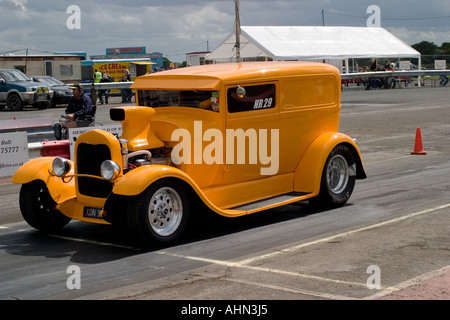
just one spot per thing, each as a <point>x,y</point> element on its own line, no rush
<point>132,160</point>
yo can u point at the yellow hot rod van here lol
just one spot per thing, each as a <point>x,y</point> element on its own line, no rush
<point>239,138</point>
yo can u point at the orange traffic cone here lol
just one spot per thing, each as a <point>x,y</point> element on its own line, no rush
<point>418,148</point>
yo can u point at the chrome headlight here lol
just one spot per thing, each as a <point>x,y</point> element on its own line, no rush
<point>109,170</point>
<point>61,166</point>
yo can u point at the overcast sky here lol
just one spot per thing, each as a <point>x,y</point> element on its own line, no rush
<point>175,27</point>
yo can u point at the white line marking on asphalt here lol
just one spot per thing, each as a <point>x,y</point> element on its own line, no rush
<point>268,270</point>
<point>347,233</point>
<point>93,242</point>
<point>408,283</point>
<point>245,263</point>
<point>296,291</point>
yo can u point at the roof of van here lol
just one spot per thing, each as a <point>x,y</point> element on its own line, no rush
<point>209,77</point>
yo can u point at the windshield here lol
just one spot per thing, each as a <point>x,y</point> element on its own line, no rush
<point>207,100</point>
<point>51,81</point>
<point>14,75</point>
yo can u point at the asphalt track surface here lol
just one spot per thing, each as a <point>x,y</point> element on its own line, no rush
<point>391,241</point>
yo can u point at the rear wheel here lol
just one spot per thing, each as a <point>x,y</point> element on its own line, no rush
<point>38,208</point>
<point>338,179</point>
<point>160,214</point>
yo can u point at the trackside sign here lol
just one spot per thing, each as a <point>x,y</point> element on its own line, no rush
<point>13,152</point>
<point>74,133</point>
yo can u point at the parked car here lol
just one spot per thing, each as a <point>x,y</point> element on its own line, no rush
<point>18,90</point>
<point>234,138</point>
<point>61,91</point>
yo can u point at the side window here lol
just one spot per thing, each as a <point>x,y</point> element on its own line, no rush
<point>7,77</point>
<point>255,98</point>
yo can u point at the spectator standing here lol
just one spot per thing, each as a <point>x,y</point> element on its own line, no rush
<point>106,78</point>
<point>390,67</point>
<point>126,93</point>
<point>444,79</point>
<point>97,76</point>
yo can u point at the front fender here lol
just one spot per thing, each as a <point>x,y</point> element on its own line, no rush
<point>136,181</point>
<point>22,95</point>
<point>309,171</point>
<point>39,169</point>
<point>139,179</point>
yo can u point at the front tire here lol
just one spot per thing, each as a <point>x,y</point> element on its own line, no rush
<point>338,179</point>
<point>38,208</point>
<point>160,214</point>
<point>43,105</point>
<point>14,102</point>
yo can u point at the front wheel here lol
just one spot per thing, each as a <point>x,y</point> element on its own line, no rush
<point>43,105</point>
<point>338,179</point>
<point>14,102</point>
<point>38,208</point>
<point>160,214</point>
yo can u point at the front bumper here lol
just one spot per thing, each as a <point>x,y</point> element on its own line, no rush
<point>33,97</point>
<point>61,97</point>
<point>75,209</point>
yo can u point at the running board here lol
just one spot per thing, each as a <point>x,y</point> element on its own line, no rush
<point>273,202</point>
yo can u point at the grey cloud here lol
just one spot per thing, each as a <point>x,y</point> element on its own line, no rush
<point>175,27</point>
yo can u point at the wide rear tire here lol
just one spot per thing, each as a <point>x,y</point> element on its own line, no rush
<point>338,179</point>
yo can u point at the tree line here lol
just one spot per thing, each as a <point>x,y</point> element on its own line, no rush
<point>430,48</point>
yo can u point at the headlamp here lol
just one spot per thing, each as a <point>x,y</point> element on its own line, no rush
<point>109,170</point>
<point>60,166</point>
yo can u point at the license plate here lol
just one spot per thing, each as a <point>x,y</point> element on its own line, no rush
<point>90,212</point>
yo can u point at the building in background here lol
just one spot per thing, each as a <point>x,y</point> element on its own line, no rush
<point>196,58</point>
<point>63,66</point>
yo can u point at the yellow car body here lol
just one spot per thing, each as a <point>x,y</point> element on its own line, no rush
<point>239,137</point>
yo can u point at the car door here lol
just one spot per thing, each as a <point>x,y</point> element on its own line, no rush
<point>252,131</point>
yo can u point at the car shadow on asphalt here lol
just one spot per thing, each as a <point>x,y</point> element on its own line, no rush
<point>91,243</point>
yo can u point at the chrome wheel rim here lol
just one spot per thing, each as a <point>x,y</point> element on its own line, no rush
<point>165,211</point>
<point>337,174</point>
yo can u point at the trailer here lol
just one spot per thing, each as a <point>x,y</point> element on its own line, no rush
<point>116,68</point>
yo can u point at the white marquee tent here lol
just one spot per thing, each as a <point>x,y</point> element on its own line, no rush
<point>312,43</point>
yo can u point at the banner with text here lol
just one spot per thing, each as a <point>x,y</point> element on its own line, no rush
<point>74,133</point>
<point>13,152</point>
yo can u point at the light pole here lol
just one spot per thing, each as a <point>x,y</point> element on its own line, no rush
<point>238,32</point>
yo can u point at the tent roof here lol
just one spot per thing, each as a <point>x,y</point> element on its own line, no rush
<point>311,43</point>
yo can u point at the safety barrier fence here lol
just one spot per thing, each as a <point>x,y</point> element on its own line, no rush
<point>385,74</point>
<point>344,76</point>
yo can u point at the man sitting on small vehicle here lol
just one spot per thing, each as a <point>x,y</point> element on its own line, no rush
<point>79,106</point>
